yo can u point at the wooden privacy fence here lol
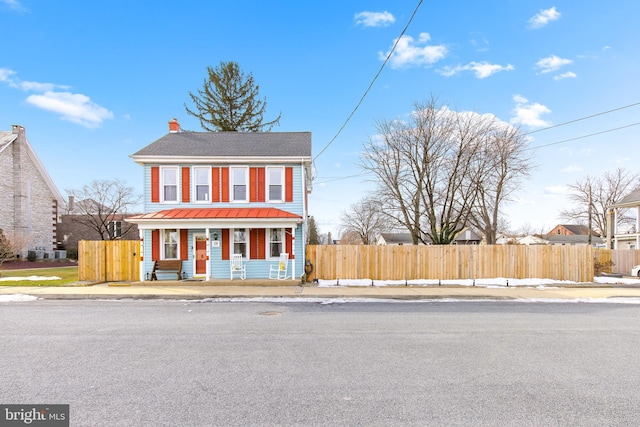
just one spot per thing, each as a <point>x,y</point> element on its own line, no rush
<point>451,262</point>
<point>618,261</point>
<point>109,260</point>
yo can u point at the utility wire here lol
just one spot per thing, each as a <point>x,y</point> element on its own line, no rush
<point>581,118</point>
<point>372,82</point>
<point>528,148</point>
<point>583,136</point>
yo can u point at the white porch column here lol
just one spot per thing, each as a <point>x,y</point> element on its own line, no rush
<point>293,253</point>
<point>637,230</point>
<point>141,234</point>
<point>208,242</point>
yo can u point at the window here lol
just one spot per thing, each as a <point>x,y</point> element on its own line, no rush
<point>169,184</point>
<point>240,242</point>
<point>170,243</point>
<point>201,177</point>
<point>275,179</point>
<point>239,178</point>
<point>275,242</point>
<point>115,229</point>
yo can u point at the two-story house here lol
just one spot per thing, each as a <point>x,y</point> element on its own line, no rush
<point>208,195</point>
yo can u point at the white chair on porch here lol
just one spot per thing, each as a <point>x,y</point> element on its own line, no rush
<point>279,271</point>
<point>237,267</point>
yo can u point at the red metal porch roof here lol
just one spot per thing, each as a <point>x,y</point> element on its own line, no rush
<point>217,213</point>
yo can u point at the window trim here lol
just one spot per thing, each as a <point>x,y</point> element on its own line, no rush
<point>163,252</point>
<point>232,243</point>
<point>282,243</point>
<point>194,172</point>
<point>114,228</point>
<point>163,169</point>
<point>268,183</point>
<point>232,195</point>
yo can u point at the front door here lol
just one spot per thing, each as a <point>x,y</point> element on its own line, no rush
<point>201,254</point>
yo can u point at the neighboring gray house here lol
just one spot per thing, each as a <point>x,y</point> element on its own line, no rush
<point>29,200</point>
<point>628,237</point>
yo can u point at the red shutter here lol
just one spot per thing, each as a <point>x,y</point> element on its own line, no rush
<point>257,238</point>
<point>215,184</point>
<point>155,245</point>
<point>261,184</point>
<point>185,184</point>
<point>288,184</point>
<point>289,239</point>
<point>253,184</point>
<point>225,244</point>
<point>225,184</point>
<point>184,244</point>
<point>155,184</point>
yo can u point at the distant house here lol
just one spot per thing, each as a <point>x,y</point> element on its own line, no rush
<point>29,200</point>
<point>465,237</point>
<point>532,240</point>
<point>391,239</point>
<point>624,237</point>
<point>573,235</point>
<point>71,230</point>
<point>570,230</point>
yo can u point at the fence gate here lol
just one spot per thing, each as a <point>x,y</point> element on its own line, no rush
<point>109,260</point>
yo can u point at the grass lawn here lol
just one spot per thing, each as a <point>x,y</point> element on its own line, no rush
<point>67,275</point>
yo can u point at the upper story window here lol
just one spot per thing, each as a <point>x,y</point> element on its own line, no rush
<point>239,184</point>
<point>275,184</point>
<point>169,184</point>
<point>202,183</point>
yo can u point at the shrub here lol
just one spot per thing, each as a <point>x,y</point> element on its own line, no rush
<point>72,254</point>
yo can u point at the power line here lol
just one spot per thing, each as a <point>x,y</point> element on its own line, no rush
<point>372,82</point>
<point>328,180</point>
<point>581,118</point>
<point>584,136</point>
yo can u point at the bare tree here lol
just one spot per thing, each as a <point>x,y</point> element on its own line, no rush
<point>433,169</point>
<point>591,196</point>
<point>11,245</point>
<point>101,203</point>
<point>504,161</point>
<point>365,220</point>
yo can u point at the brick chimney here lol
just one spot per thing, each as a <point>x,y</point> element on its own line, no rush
<point>174,126</point>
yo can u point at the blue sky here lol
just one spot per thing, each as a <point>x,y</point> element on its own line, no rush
<point>93,82</point>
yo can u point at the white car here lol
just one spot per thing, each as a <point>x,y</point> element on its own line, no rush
<point>635,271</point>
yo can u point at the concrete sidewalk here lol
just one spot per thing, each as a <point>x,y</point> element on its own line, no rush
<point>187,291</point>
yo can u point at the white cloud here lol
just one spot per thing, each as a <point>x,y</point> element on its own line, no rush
<point>567,75</point>
<point>374,19</point>
<point>410,52</point>
<point>543,17</point>
<point>552,63</point>
<point>481,69</point>
<point>74,107</point>
<point>556,189</point>
<point>529,114</point>
<point>572,168</point>
<point>14,5</point>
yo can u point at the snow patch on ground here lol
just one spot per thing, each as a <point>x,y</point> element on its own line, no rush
<point>29,278</point>
<point>17,298</point>
<point>499,282</point>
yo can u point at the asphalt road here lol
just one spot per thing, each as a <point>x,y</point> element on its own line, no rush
<point>173,363</point>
